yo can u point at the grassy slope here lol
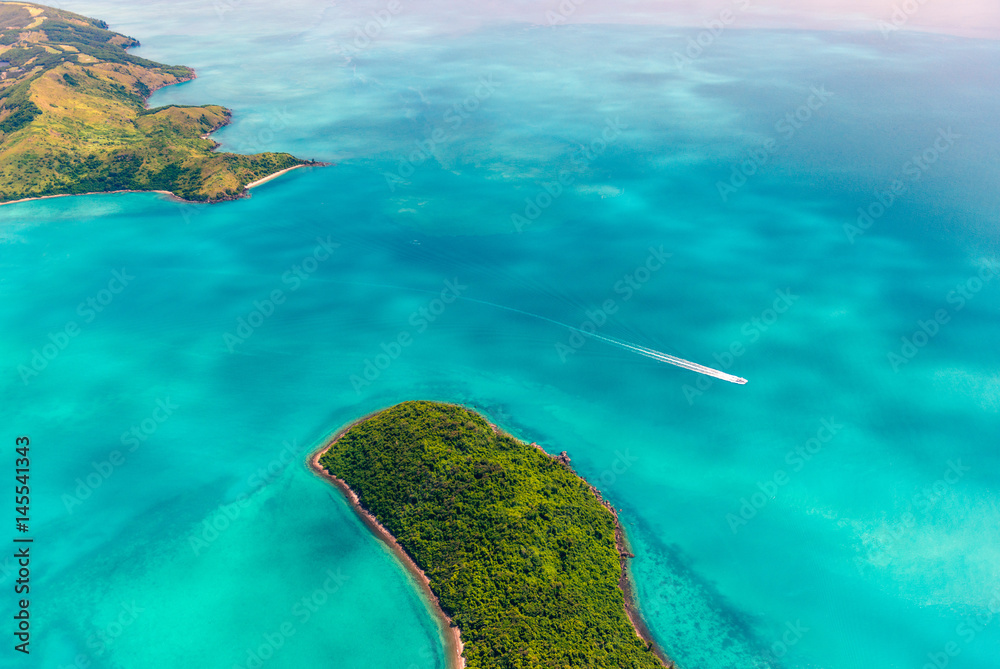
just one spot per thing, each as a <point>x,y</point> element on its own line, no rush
<point>520,552</point>
<point>73,117</point>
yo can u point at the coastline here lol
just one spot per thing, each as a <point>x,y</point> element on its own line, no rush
<point>171,196</point>
<point>624,555</point>
<point>452,634</point>
<point>625,584</point>
<point>188,75</point>
<point>98,192</point>
<point>254,184</point>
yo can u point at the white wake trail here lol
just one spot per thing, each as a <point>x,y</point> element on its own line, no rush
<point>669,359</point>
<point>635,348</point>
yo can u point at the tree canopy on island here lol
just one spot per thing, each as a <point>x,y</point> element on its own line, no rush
<point>519,550</point>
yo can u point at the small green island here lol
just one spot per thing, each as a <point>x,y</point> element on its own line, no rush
<point>73,117</point>
<point>521,554</point>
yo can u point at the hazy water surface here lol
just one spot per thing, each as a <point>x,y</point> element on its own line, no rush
<point>838,512</point>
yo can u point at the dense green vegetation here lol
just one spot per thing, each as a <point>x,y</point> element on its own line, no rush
<point>520,552</point>
<point>73,117</point>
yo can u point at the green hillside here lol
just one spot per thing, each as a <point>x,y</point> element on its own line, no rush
<point>73,117</point>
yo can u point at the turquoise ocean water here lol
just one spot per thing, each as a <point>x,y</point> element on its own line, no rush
<point>838,512</point>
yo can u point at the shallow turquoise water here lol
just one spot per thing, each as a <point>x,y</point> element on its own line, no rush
<point>204,541</point>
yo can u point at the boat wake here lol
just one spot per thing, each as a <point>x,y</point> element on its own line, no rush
<point>669,359</point>
<point>653,354</point>
<point>635,348</point>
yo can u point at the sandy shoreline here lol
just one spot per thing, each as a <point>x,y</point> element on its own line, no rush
<point>207,135</point>
<point>451,633</point>
<point>254,184</point>
<point>171,196</point>
<point>100,192</point>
